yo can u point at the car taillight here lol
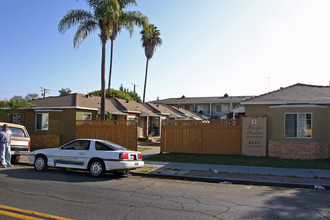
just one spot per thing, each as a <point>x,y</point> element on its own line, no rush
<point>29,145</point>
<point>140,157</point>
<point>123,156</point>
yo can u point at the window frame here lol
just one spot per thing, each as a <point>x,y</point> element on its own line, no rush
<point>297,124</point>
<point>90,116</point>
<point>15,115</point>
<point>74,142</point>
<point>36,124</point>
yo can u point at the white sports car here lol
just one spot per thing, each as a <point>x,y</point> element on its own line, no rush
<point>96,156</point>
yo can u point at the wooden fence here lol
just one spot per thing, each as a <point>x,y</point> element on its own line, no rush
<point>203,137</point>
<point>120,132</point>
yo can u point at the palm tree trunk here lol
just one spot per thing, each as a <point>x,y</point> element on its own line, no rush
<point>110,71</point>
<point>104,47</point>
<point>145,81</point>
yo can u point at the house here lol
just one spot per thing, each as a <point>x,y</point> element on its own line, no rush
<point>298,120</point>
<point>214,107</point>
<point>55,117</point>
<point>147,119</point>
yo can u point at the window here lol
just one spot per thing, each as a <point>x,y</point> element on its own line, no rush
<point>200,108</point>
<point>298,125</point>
<point>107,145</point>
<point>87,116</point>
<point>218,108</point>
<point>103,146</point>
<point>42,121</point>
<point>77,145</point>
<point>17,118</point>
<point>17,132</point>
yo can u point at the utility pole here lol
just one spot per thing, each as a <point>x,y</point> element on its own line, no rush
<point>44,91</point>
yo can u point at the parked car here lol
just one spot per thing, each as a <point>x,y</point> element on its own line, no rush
<point>96,156</point>
<point>20,141</point>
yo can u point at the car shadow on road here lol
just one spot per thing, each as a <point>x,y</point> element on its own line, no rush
<point>56,174</point>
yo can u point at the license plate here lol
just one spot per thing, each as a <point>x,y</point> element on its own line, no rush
<point>136,164</point>
<point>132,157</point>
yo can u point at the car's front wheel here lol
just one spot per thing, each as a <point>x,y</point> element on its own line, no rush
<point>96,168</point>
<point>40,163</point>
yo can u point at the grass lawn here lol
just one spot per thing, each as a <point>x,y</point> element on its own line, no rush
<point>241,160</point>
<point>143,148</point>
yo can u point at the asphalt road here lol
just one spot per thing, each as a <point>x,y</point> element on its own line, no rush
<point>74,194</point>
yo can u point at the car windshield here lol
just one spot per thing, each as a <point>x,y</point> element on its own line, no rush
<point>113,146</point>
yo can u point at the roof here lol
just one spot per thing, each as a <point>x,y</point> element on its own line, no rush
<point>188,113</point>
<point>202,100</point>
<point>165,110</point>
<point>80,101</point>
<point>294,94</point>
<point>136,107</point>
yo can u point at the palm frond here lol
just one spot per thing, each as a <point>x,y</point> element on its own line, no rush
<point>83,31</point>
<point>125,3</point>
<point>130,19</point>
<point>107,10</point>
<point>73,18</point>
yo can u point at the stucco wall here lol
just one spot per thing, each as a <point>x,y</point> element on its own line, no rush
<point>276,126</point>
<point>275,121</point>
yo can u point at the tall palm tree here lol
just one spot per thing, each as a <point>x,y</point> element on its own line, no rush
<point>150,39</point>
<point>104,12</point>
<point>126,19</point>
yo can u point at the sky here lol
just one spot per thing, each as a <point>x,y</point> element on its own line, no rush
<point>210,47</point>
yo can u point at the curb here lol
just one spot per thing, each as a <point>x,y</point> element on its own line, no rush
<point>232,181</point>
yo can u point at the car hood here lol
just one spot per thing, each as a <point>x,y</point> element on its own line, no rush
<point>48,150</point>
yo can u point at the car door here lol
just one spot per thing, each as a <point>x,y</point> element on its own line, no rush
<point>73,154</point>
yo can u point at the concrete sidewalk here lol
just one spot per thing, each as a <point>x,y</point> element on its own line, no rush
<point>303,178</point>
<point>249,175</point>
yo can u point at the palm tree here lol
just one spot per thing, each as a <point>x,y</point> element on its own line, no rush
<point>126,19</point>
<point>150,39</point>
<point>104,12</point>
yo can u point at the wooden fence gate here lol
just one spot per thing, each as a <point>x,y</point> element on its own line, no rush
<point>120,132</point>
<point>203,137</point>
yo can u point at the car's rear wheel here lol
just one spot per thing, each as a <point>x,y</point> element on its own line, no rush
<point>14,159</point>
<point>40,163</point>
<point>96,168</point>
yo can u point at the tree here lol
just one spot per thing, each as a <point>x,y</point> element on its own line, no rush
<point>104,12</point>
<point>14,104</point>
<point>63,91</point>
<point>31,96</point>
<point>150,39</point>
<point>126,19</point>
<point>17,97</point>
<point>122,93</point>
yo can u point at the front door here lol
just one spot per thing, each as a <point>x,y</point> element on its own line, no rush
<point>141,127</point>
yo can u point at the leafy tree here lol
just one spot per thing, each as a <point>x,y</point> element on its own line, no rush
<point>31,96</point>
<point>122,93</point>
<point>3,103</point>
<point>15,104</point>
<point>150,39</point>
<point>101,18</point>
<point>126,19</point>
<point>17,97</point>
<point>63,91</point>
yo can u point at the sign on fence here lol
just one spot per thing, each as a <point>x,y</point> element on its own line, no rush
<point>254,136</point>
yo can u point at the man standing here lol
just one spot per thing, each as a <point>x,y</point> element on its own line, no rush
<point>5,156</point>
